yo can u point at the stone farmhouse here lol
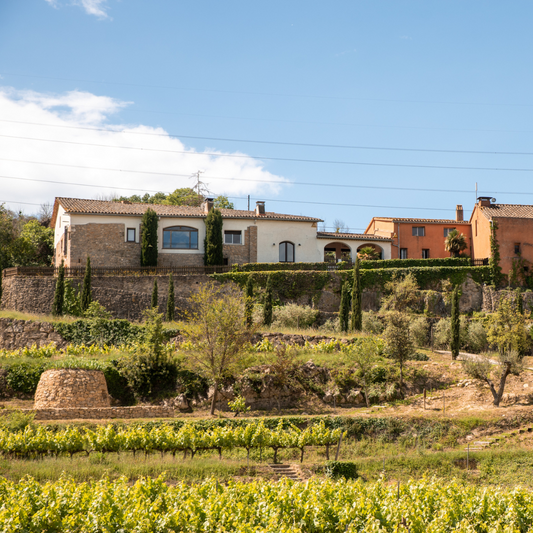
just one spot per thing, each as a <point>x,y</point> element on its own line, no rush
<point>514,232</point>
<point>109,233</point>
<point>421,238</point>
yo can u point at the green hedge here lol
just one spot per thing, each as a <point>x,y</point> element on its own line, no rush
<point>292,284</point>
<point>345,469</point>
<point>99,331</point>
<point>387,263</point>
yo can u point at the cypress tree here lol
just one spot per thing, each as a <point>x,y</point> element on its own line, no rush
<point>59,295</point>
<point>456,324</point>
<point>213,246</point>
<point>344,310</point>
<point>149,239</point>
<point>519,301</point>
<point>249,306</point>
<point>86,292</point>
<point>170,302</point>
<point>155,295</point>
<point>357,315</point>
<point>267,307</point>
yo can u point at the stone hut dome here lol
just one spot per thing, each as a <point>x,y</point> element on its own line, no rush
<point>71,388</point>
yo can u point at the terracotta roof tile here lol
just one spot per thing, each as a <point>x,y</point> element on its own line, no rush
<point>507,211</point>
<point>424,220</point>
<point>352,236</point>
<point>103,207</point>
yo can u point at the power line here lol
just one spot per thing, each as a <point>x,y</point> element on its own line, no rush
<point>321,161</point>
<point>254,141</point>
<point>307,184</point>
<point>255,93</point>
<point>237,197</point>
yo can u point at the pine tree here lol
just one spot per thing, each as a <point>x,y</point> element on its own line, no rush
<point>344,310</point>
<point>149,239</point>
<point>456,324</point>
<point>86,292</point>
<point>214,254</point>
<point>267,306</point>
<point>59,295</point>
<point>519,301</point>
<point>357,315</point>
<point>170,301</point>
<point>249,306</point>
<point>155,295</point>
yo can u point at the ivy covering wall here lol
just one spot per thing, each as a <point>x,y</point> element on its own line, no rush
<point>365,265</point>
<point>291,284</point>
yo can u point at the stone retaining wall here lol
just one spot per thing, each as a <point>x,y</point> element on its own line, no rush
<point>123,296</point>
<point>16,334</point>
<point>98,413</point>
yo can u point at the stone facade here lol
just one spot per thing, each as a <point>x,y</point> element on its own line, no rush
<point>71,388</point>
<point>243,253</point>
<point>167,259</point>
<point>16,334</point>
<point>100,413</point>
<point>100,242</point>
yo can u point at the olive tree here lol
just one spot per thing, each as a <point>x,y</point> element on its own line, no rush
<point>363,356</point>
<point>494,373</point>
<point>218,332</point>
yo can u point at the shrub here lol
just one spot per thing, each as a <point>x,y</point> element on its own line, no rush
<point>372,324</point>
<point>101,331</point>
<point>294,316</point>
<point>333,324</point>
<point>442,333</point>
<point>16,420</point>
<point>419,331</point>
<point>345,469</point>
<point>24,377</point>
<point>476,340</point>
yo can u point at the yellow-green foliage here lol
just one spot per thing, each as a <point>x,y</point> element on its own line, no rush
<point>325,506</point>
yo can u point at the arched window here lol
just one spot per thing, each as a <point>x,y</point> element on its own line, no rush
<point>286,252</point>
<point>180,238</point>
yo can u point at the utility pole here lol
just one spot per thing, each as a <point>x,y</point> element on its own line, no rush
<point>199,187</point>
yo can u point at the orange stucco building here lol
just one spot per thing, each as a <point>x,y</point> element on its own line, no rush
<point>420,238</point>
<point>514,232</point>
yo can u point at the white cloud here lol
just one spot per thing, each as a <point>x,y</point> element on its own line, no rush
<point>91,7</point>
<point>94,7</point>
<point>165,169</point>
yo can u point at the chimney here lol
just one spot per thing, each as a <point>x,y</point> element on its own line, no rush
<point>259,208</point>
<point>484,201</point>
<point>459,213</point>
<point>208,204</point>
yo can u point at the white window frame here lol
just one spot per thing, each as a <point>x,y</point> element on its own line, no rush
<point>233,233</point>
<point>128,234</point>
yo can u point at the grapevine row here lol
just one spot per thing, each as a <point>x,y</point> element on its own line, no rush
<point>40,441</point>
<point>317,506</point>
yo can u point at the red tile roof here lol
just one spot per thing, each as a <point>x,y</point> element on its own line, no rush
<point>507,211</point>
<point>80,206</point>
<point>423,220</point>
<point>352,236</point>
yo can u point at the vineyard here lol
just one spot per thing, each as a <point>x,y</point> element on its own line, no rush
<point>39,441</point>
<point>150,505</point>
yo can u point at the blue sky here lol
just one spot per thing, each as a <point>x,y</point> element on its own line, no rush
<point>170,82</point>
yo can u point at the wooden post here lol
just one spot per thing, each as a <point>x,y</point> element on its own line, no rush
<point>443,402</point>
<point>338,448</point>
<point>425,399</point>
<point>468,456</point>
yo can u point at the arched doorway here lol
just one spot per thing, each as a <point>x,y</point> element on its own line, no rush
<point>370,251</point>
<point>337,251</point>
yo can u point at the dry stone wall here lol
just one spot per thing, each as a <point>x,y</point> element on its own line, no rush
<point>16,334</point>
<point>102,413</point>
<point>123,296</point>
<point>71,388</point>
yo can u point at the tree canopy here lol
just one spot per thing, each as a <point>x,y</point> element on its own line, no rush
<point>182,196</point>
<point>455,243</point>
